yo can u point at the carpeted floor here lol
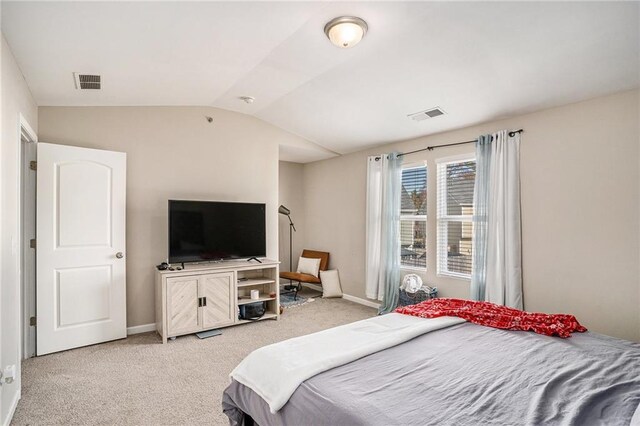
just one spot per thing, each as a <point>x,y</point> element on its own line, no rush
<point>139,381</point>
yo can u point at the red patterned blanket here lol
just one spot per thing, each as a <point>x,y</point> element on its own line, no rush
<point>492,315</point>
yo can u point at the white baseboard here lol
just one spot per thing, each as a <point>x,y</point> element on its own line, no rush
<point>361,301</point>
<point>145,328</point>
<point>12,408</point>
<point>348,297</point>
<point>137,329</point>
<point>313,287</point>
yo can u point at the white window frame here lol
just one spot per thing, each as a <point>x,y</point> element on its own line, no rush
<point>441,216</point>
<point>412,217</point>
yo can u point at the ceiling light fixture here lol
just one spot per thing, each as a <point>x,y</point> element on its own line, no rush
<point>346,31</point>
<point>247,99</point>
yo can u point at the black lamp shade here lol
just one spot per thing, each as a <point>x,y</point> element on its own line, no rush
<point>283,210</point>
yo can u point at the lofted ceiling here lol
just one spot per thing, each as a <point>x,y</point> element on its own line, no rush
<point>478,61</point>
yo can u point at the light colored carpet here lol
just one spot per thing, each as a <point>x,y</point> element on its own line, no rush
<point>139,381</point>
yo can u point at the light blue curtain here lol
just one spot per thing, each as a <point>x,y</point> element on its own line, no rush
<point>390,247</point>
<point>480,217</point>
<point>497,235</point>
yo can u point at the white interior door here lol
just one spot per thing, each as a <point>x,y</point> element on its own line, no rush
<point>80,247</point>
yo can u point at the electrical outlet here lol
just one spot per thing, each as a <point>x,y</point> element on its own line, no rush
<point>9,373</point>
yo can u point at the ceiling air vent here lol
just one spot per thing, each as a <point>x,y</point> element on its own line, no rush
<point>87,81</point>
<point>424,115</point>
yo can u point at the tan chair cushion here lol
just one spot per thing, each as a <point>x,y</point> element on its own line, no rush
<point>308,265</point>
<point>304,278</point>
<point>330,283</point>
<point>314,254</point>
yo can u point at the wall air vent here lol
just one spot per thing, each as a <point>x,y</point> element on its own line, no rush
<point>87,81</point>
<point>424,115</point>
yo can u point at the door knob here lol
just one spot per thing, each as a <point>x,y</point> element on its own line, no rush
<point>119,255</point>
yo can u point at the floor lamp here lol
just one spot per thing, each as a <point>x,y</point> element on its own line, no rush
<point>292,228</point>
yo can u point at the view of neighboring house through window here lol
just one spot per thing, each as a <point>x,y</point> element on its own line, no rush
<point>413,218</point>
<point>456,180</point>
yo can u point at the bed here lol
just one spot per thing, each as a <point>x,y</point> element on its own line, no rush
<point>464,374</point>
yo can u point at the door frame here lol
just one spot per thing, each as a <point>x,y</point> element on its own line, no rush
<point>26,271</point>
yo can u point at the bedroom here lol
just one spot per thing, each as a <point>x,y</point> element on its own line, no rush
<point>172,79</point>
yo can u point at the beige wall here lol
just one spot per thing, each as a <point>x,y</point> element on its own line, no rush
<point>580,210</point>
<point>16,101</point>
<point>291,185</point>
<point>173,153</point>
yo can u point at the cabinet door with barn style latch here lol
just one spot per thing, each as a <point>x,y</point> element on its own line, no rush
<point>182,305</point>
<point>217,294</point>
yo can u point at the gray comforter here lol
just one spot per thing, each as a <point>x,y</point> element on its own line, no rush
<point>466,375</point>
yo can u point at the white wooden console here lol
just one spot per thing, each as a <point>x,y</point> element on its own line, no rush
<point>206,296</point>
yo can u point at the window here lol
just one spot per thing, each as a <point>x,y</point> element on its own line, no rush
<point>413,218</point>
<point>456,180</point>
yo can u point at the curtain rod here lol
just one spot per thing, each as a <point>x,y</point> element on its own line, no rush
<point>431,148</point>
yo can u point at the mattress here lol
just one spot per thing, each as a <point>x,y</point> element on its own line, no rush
<point>465,375</point>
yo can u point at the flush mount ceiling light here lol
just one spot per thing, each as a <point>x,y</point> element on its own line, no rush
<point>346,31</point>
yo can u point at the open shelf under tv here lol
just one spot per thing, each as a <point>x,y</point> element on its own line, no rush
<point>266,316</point>
<point>260,299</point>
<point>255,282</point>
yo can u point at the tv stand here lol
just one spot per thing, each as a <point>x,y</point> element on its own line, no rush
<point>254,258</point>
<point>207,296</point>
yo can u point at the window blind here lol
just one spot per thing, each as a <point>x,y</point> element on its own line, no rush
<point>455,217</point>
<point>413,218</point>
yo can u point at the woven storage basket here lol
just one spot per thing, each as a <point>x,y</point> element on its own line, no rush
<point>421,295</point>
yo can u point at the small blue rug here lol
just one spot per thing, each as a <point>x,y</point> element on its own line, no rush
<point>286,300</point>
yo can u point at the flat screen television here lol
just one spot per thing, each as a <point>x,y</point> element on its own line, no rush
<point>214,230</point>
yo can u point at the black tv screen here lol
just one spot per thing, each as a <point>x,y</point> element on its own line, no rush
<point>213,230</point>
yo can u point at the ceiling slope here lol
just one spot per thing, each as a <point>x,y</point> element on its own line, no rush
<point>478,61</point>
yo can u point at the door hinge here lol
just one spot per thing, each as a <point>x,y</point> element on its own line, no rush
<point>33,165</point>
<point>32,321</point>
<point>32,243</point>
